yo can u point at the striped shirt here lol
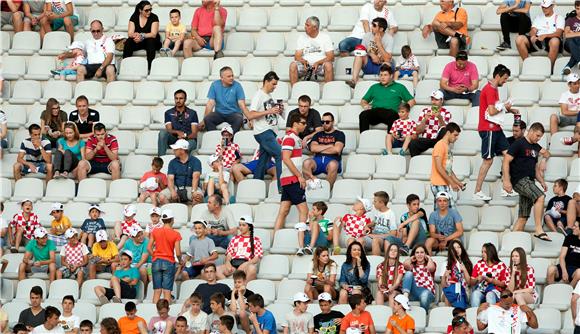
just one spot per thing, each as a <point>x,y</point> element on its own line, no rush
<point>291,142</point>
<point>33,154</point>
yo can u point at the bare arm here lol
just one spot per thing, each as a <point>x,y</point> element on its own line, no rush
<point>209,107</point>
<point>574,305</point>
<point>532,320</point>
<point>457,234</point>
<point>568,33</point>
<point>474,85</point>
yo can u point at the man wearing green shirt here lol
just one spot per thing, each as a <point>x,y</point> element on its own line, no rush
<point>39,257</point>
<point>381,102</point>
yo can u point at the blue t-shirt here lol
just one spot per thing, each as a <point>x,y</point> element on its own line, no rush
<point>76,150</point>
<point>181,121</point>
<point>183,172</point>
<point>267,322</point>
<point>137,250</point>
<point>226,98</point>
<point>510,3</point>
<point>132,273</point>
<point>445,225</point>
<point>92,226</point>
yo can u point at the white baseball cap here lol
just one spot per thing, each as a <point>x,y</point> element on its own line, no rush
<point>366,203</point>
<point>149,184</point>
<point>128,253</point>
<point>71,232</point>
<point>301,227</point>
<point>325,296</point>
<point>546,3</point>
<point>155,211</point>
<point>180,144</point>
<point>129,210</point>
<point>228,129</point>
<point>403,300</point>
<point>96,206</point>
<point>442,194</point>
<point>212,158</point>
<point>247,219</point>
<point>25,200</point>
<point>134,230</point>
<point>101,235</point>
<point>301,297</point>
<point>167,214</point>
<point>77,45</point>
<point>40,232</point>
<point>572,77</point>
<point>437,94</point>
<point>56,207</point>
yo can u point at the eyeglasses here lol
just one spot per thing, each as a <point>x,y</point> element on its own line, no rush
<point>95,31</point>
<point>507,295</point>
<point>326,122</point>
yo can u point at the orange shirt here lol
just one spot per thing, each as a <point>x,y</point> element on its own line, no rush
<point>406,323</point>
<point>440,150</point>
<point>451,17</point>
<point>351,320</point>
<point>165,240</point>
<point>129,326</point>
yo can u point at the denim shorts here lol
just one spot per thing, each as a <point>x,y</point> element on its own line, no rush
<point>163,273</point>
<point>40,168</point>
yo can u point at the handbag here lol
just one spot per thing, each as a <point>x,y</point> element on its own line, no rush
<point>182,195</point>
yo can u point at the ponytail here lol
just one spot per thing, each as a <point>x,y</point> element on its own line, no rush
<point>251,226</point>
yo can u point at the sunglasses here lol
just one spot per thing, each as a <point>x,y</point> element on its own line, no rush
<point>326,122</point>
<point>507,295</point>
<point>457,321</point>
<point>147,10</point>
<point>95,31</point>
<point>303,123</point>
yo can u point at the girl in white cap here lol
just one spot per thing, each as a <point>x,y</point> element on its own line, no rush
<point>155,216</point>
<point>123,228</point>
<point>244,252</point>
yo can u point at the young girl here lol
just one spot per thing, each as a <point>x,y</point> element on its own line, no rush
<point>407,65</point>
<point>52,121</point>
<point>228,151</point>
<point>322,275</point>
<point>71,150</point>
<point>22,225</point>
<point>92,225</point>
<point>353,224</point>
<point>455,279</point>
<point>402,131</point>
<point>524,290</point>
<point>123,228</point>
<point>217,180</point>
<point>389,276</point>
<point>152,183</point>
<point>243,253</point>
<point>155,223</point>
<point>488,276</point>
<point>77,49</point>
<point>354,273</point>
<point>418,281</point>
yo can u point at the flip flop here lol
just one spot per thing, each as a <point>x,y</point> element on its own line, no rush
<point>543,236</point>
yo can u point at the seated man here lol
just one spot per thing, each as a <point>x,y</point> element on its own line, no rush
<point>450,28</point>
<point>431,121</point>
<point>180,123</point>
<point>207,29</point>
<point>35,155</point>
<point>460,80</point>
<point>101,155</point>
<point>569,105</point>
<point>84,117</point>
<point>445,224</point>
<point>505,316</point>
<point>314,54</point>
<point>378,44</point>
<point>183,176</point>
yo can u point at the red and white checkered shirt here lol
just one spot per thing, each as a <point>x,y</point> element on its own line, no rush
<point>28,225</point>
<point>497,271</point>
<point>530,282</point>
<point>408,127</point>
<point>240,248</point>
<point>354,225</point>
<point>126,226</point>
<point>390,275</point>
<point>432,125</point>
<point>424,278</point>
<point>74,255</point>
<point>230,154</point>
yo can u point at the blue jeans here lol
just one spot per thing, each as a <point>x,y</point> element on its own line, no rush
<point>477,297</point>
<point>573,46</point>
<point>163,273</point>
<point>269,148</point>
<point>423,295</point>
<point>473,97</point>
<point>348,44</point>
<point>165,139</point>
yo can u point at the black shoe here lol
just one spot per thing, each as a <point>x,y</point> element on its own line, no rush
<point>219,54</point>
<point>53,72</point>
<point>504,46</point>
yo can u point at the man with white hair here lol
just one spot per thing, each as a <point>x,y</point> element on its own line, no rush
<point>569,105</point>
<point>314,54</point>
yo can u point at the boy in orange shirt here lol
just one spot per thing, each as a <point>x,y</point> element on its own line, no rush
<point>358,318</point>
<point>400,322</point>
<point>152,183</point>
<point>131,323</point>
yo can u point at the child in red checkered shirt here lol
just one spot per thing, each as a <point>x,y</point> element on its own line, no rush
<point>22,225</point>
<point>389,276</point>
<point>227,150</point>
<point>152,183</point>
<point>352,224</point>
<point>402,131</point>
<point>3,233</point>
<point>123,228</point>
<point>217,180</point>
<point>74,257</point>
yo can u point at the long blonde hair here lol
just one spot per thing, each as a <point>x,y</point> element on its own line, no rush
<point>72,126</point>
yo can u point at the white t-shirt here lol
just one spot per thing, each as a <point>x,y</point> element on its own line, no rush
<point>298,323</point>
<point>314,49</point>
<point>407,64</point>
<point>384,221</point>
<point>59,6</point>
<point>572,100</point>
<point>69,323</point>
<point>215,176</point>
<point>97,50</point>
<point>42,330</point>
<point>504,321</point>
<point>196,323</point>
<point>260,103</point>
<point>369,13</point>
<point>548,25</point>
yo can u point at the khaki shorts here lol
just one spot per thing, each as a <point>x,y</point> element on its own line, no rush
<point>167,193</point>
<point>7,18</point>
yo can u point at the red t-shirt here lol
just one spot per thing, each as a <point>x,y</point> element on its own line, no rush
<point>5,8</point>
<point>165,240</point>
<point>489,96</point>
<point>101,155</point>
<point>203,20</point>
<point>159,176</point>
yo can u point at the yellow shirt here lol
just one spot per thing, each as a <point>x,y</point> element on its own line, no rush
<point>175,31</point>
<point>108,253</point>
<point>61,225</point>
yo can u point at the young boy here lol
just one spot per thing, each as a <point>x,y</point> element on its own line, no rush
<point>202,250</point>
<point>123,283</point>
<point>328,320</point>
<point>216,181</point>
<point>226,324</point>
<point>92,225</point>
<point>383,230</point>
<point>261,319</point>
<point>445,224</point>
<point>413,224</point>
<point>122,228</point>
<point>86,327</point>
<point>354,224</point>
<point>181,326</point>
<point>69,322</point>
<point>299,321</point>
<point>402,131</point>
<point>141,257</point>
<point>457,312</point>
<point>131,323</point>
<point>316,231</point>
<point>153,182</point>
<point>558,208</point>
<point>105,255</point>
<point>358,319</point>
<point>22,225</point>
<point>195,317</point>
<point>59,225</point>
<point>227,150</point>
<point>174,34</point>
<point>21,329</point>
<point>401,322</point>
<point>155,216</point>
<point>74,257</point>
<point>238,298</point>
<point>217,305</point>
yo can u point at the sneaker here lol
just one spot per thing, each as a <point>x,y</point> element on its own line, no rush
<point>336,251</point>
<point>402,152</point>
<point>567,70</point>
<point>404,250</point>
<point>13,250</point>
<point>567,140</point>
<point>117,300</point>
<point>300,252</point>
<point>503,46</point>
<point>308,250</point>
<point>480,196</point>
<point>65,175</point>
<point>219,54</point>
<point>57,175</point>
<point>351,83</point>
<point>384,151</point>
<point>53,72</point>
<point>510,194</point>
<point>103,300</point>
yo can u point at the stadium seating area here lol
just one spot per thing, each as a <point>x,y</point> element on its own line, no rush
<point>260,36</point>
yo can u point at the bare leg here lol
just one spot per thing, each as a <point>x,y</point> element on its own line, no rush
<point>522,44</point>
<point>389,143</point>
<point>331,172</point>
<point>282,214</point>
<point>553,123</point>
<point>485,165</point>
<point>293,73</point>
<point>328,72</point>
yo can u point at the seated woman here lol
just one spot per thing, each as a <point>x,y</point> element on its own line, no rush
<point>322,276</point>
<point>60,13</point>
<point>419,282</point>
<point>354,273</point>
<point>71,150</point>
<point>524,290</point>
<point>488,276</point>
<point>244,252</point>
<point>143,32</point>
<point>389,276</point>
<point>455,277</point>
<point>52,121</point>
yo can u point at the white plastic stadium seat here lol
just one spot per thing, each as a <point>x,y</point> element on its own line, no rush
<point>346,191</point>
<point>118,93</point>
<point>285,242</point>
<point>390,167</point>
<point>254,68</point>
<point>60,90</point>
<point>30,188</point>
<point>342,19</point>
<point>133,69</point>
<point>63,287</point>
<point>546,249</point>
<point>251,191</point>
<point>123,191</point>
<point>274,267</point>
<point>288,288</point>
<point>371,141</point>
<point>484,43</point>
<point>13,67</point>
<point>535,69</point>
<point>553,296</point>
<point>92,89</point>
<point>419,168</point>
<point>282,19</point>
<point>360,166</point>
<point>335,93</point>
<point>549,321</point>
<point>404,188</point>
<point>555,168</point>
<point>490,20</point>
<point>239,44</point>
<point>39,68</point>
<point>477,239</point>
<point>551,92</point>
<point>495,218</point>
<point>149,93</point>
<point>309,88</point>
<point>252,20</point>
<point>219,63</point>
<point>13,309</point>
<point>24,286</point>
<point>91,190</point>
<point>87,290</point>
<point>54,43</point>
<point>268,44</point>
<point>436,66</point>
<point>409,18</point>
<point>25,43</point>
<point>61,190</point>
<point>265,288</point>
<point>511,240</point>
<point>439,318</point>
<point>104,15</point>
<point>194,69</point>
<point>164,69</point>
<point>320,12</point>
<point>301,266</point>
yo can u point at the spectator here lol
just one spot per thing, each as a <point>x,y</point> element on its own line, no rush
<point>131,322</point>
<point>207,29</point>
<point>241,170</point>
<point>261,319</point>
<point>368,12</point>
<point>569,105</point>
<point>546,34</point>
<point>22,225</point>
<point>505,317</point>
<point>174,34</point>
<point>180,123</point>
<point>228,151</point>
<point>449,27</point>
<point>442,176</point>
<point>100,56</point>
<point>74,258</point>
<point>191,311</point>
<point>493,140</point>
<point>518,131</point>
<point>183,176</point>
<point>206,290</point>
<point>382,100</point>
<point>459,325</point>
<point>218,309</point>
<point>51,322</point>
<point>520,171</point>
<point>58,225</point>
<point>401,322</point>
<point>92,225</point>
<point>70,152</point>
<point>35,314</point>
<point>358,318</point>
<point>316,232</point>
<point>488,276</point>
<point>164,248</point>
<point>429,124</point>
<point>514,16</point>
<point>354,274</point>
<point>69,322</point>
<point>413,223</point>
<point>201,251</point>
<point>101,155</point>
<point>34,15</point>
<point>244,252</point>
<point>407,65</point>
<point>328,320</point>
<point>63,69</point>
<point>61,13</point>
<point>226,102</point>
<point>3,132</point>
<point>299,321</point>
<point>402,131</point>
<point>524,289</point>
<point>217,179</point>
<point>459,313</point>
<point>110,326</point>
<point>376,50</point>
<point>238,305</point>
<point>152,183</point>
<point>143,32</point>
<point>105,255</point>
<point>87,326</point>
<point>39,256</point>
<point>567,269</point>
<point>353,224</point>
<point>445,224</point>
<point>141,257</point>
<point>52,121</point>
<point>389,276</point>
<point>571,33</point>
<point>382,231</point>
<point>227,323</point>
<point>34,155</point>
<point>12,14</point>
<point>312,116</point>
<point>327,146</point>
<point>181,326</point>
<point>460,80</point>
<point>123,283</point>
<point>154,220</point>
<point>419,278</point>
<point>455,276</point>
<point>322,275</point>
<point>84,117</point>
<point>220,221</point>
<point>291,179</point>
<point>557,208</point>
<point>314,54</point>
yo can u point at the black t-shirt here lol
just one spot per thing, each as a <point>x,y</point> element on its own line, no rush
<point>525,159</point>
<point>87,125</point>
<point>28,319</point>
<point>324,138</point>
<point>147,27</point>
<point>324,323</point>
<point>207,290</point>
<point>573,255</point>
<point>511,140</point>
<point>313,121</point>
<point>560,202</point>
<point>247,294</point>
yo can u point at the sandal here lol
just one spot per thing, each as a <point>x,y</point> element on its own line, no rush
<point>543,236</point>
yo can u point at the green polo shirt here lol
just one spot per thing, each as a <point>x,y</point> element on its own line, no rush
<point>387,97</point>
<point>40,254</point>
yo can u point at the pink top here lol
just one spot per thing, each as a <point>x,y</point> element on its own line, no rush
<point>460,77</point>
<point>203,20</point>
